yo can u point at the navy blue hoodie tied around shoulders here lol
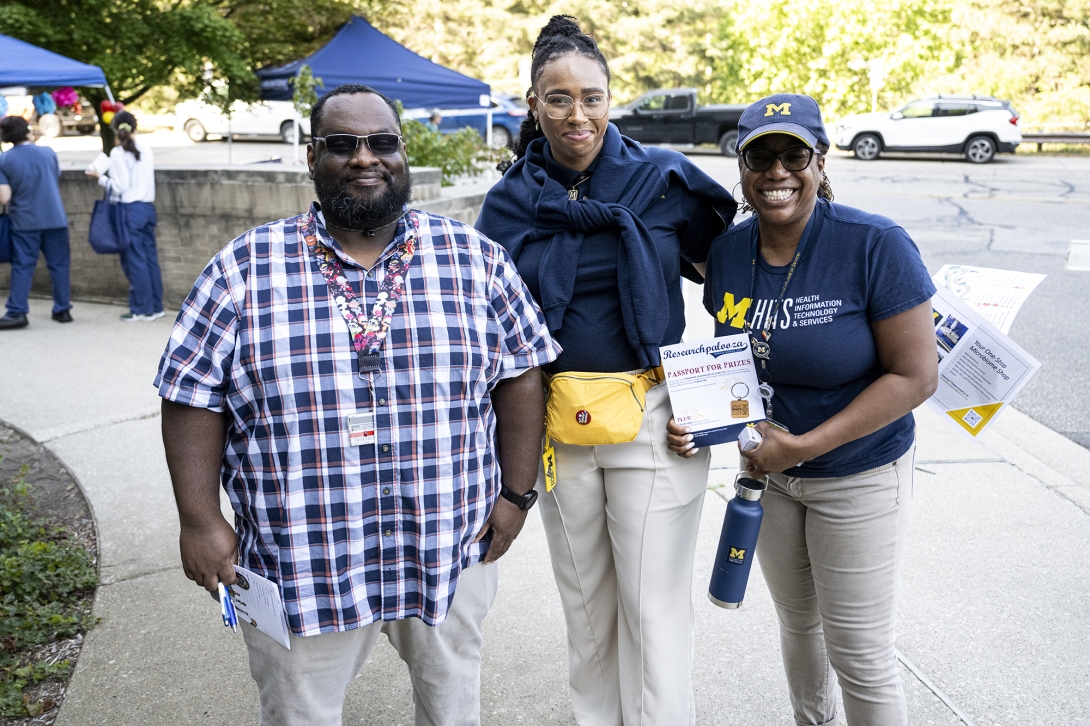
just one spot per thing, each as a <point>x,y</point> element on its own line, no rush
<point>527,205</point>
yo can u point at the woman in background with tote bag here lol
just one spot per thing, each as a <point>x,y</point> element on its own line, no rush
<point>130,181</point>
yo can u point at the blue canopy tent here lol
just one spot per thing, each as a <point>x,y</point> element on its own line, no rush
<point>28,65</point>
<point>359,53</point>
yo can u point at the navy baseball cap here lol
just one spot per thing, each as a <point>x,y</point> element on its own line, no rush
<point>784,113</point>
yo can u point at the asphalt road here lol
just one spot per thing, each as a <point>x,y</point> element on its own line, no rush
<point>1016,213</point>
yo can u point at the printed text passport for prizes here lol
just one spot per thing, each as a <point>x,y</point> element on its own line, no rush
<point>713,387</point>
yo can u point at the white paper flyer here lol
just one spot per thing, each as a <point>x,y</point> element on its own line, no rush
<point>257,602</point>
<point>980,369</point>
<point>996,295</point>
<point>713,387</point>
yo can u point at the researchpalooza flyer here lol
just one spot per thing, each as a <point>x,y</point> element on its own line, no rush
<point>713,387</point>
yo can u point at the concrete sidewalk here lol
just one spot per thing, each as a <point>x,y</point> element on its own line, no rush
<point>995,611</point>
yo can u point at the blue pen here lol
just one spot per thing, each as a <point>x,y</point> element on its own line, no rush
<point>226,608</point>
<point>231,611</point>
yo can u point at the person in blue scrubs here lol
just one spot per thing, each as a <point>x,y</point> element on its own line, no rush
<point>837,305</point>
<point>602,230</point>
<point>28,185</point>
<point>130,182</point>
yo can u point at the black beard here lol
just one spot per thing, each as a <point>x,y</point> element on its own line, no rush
<point>343,209</point>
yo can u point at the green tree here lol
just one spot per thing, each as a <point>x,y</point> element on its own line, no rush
<point>1034,52</point>
<point>139,44</point>
<point>847,55</point>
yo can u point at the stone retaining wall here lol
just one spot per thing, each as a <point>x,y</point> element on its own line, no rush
<point>200,210</point>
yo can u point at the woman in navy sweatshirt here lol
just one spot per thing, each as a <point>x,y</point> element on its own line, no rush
<point>602,230</point>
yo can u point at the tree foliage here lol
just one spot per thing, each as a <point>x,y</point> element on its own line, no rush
<point>139,44</point>
<point>1035,52</point>
<point>849,54</point>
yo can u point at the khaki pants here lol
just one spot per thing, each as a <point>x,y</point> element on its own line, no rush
<point>622,524</point>
<point>305,686</point>
<point>831,552</point>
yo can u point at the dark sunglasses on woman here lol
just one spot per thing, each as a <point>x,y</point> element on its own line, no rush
<point>794,158</point>
<point>346,144</point>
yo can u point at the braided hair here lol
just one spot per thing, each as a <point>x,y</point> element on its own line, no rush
<point>561,36</point>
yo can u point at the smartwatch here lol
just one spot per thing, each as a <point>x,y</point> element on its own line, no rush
<point>522,501</point>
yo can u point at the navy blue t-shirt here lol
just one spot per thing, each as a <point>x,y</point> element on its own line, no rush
<point>32,172</point>
<point>855,269</point>
<point>593,334</point>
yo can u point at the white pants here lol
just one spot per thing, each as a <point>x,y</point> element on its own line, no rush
<point>622,524</point>
<point>305,686</point>
<point>831,553</point>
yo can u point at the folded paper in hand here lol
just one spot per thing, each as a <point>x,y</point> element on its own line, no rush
<point>101,164</point>
<point>257,602</point>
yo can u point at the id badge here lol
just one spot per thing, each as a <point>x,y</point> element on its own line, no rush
<point>361,429</point>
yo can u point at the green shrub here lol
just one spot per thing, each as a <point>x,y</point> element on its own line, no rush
<point>462,152</point>
<point>45,582</point>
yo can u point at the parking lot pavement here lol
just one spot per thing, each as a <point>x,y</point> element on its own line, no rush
<point>1016,213</point>
<point>995,607</point>
<point>176,149</point>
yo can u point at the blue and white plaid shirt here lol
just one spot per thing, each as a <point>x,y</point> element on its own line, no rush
<point>356,534</point>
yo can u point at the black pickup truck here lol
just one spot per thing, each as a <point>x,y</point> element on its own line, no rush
<point>671,116</point>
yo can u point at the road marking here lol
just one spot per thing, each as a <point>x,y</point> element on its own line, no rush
<point>1078,255</point>
<point>965,461</point>
<point>977,198</point>
<point>933,688</point>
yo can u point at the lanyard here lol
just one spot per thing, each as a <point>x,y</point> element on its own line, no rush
<point>762,349</point>
<point>368,333</point>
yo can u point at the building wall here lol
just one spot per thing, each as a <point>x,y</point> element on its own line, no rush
<point>200,211</point>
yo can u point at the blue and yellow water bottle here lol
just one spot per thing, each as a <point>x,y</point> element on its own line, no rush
<point>737,544</point>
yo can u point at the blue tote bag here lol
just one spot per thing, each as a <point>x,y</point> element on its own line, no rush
<point>109,231</point>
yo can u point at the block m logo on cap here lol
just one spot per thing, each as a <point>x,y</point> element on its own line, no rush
<point>783,109</point>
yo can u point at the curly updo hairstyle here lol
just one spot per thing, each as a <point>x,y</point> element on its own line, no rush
<point>561,36</point>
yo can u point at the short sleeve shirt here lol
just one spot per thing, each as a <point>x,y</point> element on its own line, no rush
<point>356,533</point>
<point>32,173</point>
<point>855,269</point>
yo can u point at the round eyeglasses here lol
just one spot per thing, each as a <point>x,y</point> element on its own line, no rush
<point>558,106</point>
<point>346,144</point>
<point>793,158</point>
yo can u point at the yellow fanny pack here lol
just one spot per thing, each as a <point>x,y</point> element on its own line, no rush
<point>589,409</point>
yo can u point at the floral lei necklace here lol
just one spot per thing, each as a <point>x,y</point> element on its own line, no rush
<point>368,333</point>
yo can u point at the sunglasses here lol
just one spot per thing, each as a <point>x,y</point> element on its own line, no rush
<point>794,158</point>
<point>346,144</point>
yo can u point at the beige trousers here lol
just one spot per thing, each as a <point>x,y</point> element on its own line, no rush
<point>305,686</point>
<point>831,552</point>
<point>622,524</point>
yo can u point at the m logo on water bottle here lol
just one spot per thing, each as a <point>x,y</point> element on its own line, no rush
<point>737,556</point>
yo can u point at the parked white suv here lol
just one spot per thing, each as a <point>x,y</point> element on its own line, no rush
<point>264,118</point>
<point>978,127</point>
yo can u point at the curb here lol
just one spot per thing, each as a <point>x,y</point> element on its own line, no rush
<point>1056,461</point>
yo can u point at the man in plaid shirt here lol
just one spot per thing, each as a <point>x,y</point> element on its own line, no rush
<point>363,380</point>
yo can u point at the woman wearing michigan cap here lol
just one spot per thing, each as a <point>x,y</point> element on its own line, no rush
<point>836,303</point>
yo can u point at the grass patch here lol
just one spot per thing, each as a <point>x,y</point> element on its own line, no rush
<point>1029,148</point>
<point>47,581</point>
